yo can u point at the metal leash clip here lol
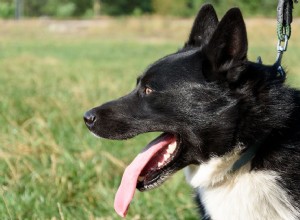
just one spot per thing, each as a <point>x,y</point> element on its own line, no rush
<point>281,48</point>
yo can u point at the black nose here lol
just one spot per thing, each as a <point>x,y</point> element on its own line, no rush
<point>89,118</point>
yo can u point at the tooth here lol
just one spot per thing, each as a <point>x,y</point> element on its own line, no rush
<point>172,147</point>
<point>159,164</point>
<point>169,151</point>
<point>166,156</point>
<point>141,178</point>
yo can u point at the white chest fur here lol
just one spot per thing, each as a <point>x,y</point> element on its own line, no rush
<point>243,195</point>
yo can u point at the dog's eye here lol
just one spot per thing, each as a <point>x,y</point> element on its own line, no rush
<point>147,91</point>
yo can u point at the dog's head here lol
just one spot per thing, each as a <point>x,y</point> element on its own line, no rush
<point>193,96</point>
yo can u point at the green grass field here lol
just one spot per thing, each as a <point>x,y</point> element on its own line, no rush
<point>51,72</point>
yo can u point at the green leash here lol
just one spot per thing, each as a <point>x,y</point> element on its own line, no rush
<point>284,18</point>
<point>284,31</point>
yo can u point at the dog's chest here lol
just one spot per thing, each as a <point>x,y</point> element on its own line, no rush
<point>245,195</point>
<point>251,197</point>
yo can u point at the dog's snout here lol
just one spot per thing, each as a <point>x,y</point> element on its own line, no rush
<point>89,118</point>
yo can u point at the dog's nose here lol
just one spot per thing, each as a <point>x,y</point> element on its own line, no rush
<point>89,118</point>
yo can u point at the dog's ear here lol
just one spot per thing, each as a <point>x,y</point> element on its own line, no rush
<point>204,26</point>
<point>228,46</point>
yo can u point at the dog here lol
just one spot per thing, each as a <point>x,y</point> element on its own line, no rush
<point>232,124</point>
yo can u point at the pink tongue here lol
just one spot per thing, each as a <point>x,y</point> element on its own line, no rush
<point>130,177</point>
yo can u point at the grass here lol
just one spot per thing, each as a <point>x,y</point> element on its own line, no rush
<point>51,73</point>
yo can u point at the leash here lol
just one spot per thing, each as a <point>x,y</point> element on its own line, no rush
<point>284,31</point>
<point>284,19</point>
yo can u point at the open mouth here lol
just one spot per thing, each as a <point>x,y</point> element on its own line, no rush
<point>152,172</point>
<point>148,170</point>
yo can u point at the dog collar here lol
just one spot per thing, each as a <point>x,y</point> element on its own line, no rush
<point>245,157</point>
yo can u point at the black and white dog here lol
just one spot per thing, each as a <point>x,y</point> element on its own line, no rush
<point>231,123</point>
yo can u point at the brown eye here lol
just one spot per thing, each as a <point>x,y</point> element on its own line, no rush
<point>148,91</point>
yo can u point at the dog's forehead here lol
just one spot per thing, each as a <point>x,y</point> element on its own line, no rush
<point>181,64</point>
<point>182,56</point>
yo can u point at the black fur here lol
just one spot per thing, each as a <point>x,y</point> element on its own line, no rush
<point>212,97</point>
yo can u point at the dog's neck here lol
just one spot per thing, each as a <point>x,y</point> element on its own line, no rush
<point>219,169</point>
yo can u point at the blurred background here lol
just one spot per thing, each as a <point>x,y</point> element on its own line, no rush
<point>59,58</point>
<point>94,8</point>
